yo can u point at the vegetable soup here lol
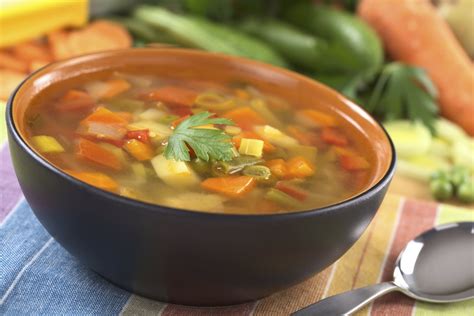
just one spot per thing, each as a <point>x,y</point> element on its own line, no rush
<point>198,145</point>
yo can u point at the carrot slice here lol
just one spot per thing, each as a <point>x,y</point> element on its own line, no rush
<point>92,152</point>
<point>333,137</point>
<point>233,186</point>
<point>172,95</point>
<point>138,150</point>
<point>292,190</point>
<point>318,118</point>
<point>115,87</point>
<point>353,162</point>
<point>74,100</point>
<point>278,168</point>
<point>104,115</point>
<point>97,179</point>
<point>8,61</point>
<point>245,118</point>
<point>300,167</point>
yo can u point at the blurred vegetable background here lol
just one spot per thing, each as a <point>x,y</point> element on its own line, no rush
<point>406,62</point>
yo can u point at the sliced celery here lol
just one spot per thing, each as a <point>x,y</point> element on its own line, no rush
<point>251,147</point>
<point>282,198</point>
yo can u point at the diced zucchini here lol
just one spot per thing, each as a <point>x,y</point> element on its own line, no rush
<point>47,144</point>
<point>251,147</point>
<point>410,139</point>
<point>174,173</point>
<point>275,136</point>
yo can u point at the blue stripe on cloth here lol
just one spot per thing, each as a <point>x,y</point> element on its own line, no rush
<point>39,277</point>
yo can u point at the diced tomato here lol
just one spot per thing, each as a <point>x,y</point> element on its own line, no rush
<point>141,135</point>
<point>292,190</point>
<point>334,137</point>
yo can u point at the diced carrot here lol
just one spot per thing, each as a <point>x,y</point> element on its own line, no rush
<point>138,150</point>
<point>74,100</point>
<point>245,118</point>
<point>318,118</point>
<point>125,115</point>
<point>353,162</point>
<point>176,122</point>
<point>333,137</point>
<point>172,95</point>
<point>342,151</point>
<point>92,152</point>
<point>300,167</point>
<point>292,190</point>
<point>304,137</point>
<point>242,94</point>
<point>104,115</point>
<point>97,179</point>
<point>8,61</point>
<point>102,131</point>
<point>115,87</point>
<point>141,135</point>
<point>278,168</point>
<point>267,146</point>
<point>233,186</point>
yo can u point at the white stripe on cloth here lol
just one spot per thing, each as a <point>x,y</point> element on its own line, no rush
<point>17,206</point>
<point>23,270</point>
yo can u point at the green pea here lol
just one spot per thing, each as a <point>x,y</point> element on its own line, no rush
<point>465,192</point>
<point>441,189</point>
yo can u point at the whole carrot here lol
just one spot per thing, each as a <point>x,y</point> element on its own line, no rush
<point>413,33</point>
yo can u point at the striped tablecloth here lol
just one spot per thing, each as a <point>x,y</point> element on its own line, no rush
<point>37,276</point>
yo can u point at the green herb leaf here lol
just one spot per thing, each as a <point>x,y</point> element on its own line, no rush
<point>404,91</point>
<point>206,143</point>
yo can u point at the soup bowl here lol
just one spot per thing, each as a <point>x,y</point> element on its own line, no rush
<point>183,256</point>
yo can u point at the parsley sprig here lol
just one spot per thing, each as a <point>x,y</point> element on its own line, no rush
<point>206,143</point>
<point>404,91</point>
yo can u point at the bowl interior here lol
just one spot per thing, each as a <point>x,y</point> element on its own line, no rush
<point>299,91</point>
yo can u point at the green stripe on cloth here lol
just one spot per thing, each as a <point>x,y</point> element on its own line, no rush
<point>3,123</point>
<point>448,214</point>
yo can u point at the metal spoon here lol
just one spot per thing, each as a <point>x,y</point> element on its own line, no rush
<point>437,266</point>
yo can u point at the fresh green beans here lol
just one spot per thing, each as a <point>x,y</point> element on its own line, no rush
<point>221,168</point>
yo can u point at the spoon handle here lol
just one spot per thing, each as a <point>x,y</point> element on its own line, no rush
<point>348,302</point>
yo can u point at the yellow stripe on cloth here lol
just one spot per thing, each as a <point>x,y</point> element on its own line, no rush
<point>448,214</point>
<point>362,264</point>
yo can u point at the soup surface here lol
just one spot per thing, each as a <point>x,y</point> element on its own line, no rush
<point>199,145</point>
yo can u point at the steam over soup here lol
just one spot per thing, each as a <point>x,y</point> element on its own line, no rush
<point>199,145</point>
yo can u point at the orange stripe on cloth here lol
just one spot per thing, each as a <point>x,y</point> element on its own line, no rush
<point>295,298</point>
<point>416,217</point>
<point>180,310</point>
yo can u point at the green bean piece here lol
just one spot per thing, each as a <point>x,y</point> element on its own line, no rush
<point>201,167</point>
<point>441,189</point>
<point>262,174</point>
<point>465,192</point>
<point>222,168</point>
<point>282,198</point>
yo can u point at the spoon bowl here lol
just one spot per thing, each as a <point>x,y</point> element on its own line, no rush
<point>437,266</point>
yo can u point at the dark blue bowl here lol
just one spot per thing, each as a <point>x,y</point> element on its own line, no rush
<point>187,257</point>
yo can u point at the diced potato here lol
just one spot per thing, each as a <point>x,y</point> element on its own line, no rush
<point>275,136</point>
<point>47,144</point>
<point>174,173</point>
<point>196,201</point>
<point>251,147</point>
